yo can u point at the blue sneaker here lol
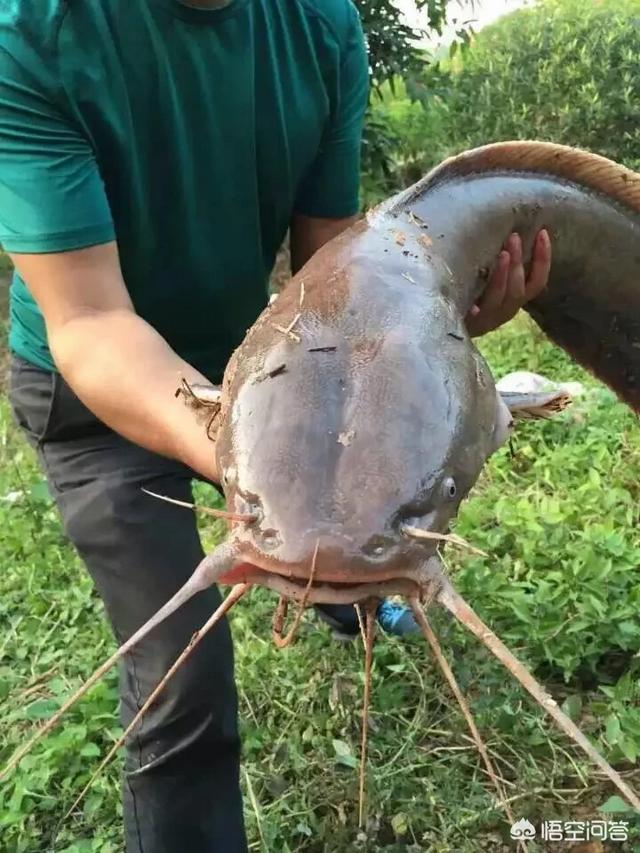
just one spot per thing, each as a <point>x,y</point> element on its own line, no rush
<point>396,619</point>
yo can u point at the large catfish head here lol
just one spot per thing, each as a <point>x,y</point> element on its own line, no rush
<point>356,408</point>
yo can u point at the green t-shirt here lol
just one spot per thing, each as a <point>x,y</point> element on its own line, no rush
<point>188,135</point>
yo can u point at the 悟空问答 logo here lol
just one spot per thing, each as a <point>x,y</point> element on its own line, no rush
<point>523,829</point>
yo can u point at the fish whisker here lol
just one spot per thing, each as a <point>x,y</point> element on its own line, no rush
<point>369,639</point>
<point>281,610</point>
<point>428,633</point>
<point>216,513</point>
<point>451,538</point>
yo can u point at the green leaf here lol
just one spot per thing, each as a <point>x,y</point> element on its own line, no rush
<point>343,754</point>
<point>613,729</point>
<point>629,748</point>
<point>614,805</point>
<point>276,785</point>
<point>572,706</point>
<point>341,748</point>
<point>42,709</point>
<point>347,760</point>
<point>400,824</point>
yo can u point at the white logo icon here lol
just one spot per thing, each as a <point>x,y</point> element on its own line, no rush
<point>523,829</point>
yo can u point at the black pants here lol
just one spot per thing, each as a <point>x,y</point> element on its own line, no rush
<point>181,781</point>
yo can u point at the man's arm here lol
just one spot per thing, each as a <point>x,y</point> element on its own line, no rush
<point>310,233</point>
<point>116,363</point>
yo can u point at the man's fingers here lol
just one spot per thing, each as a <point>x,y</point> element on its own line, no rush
<point>540,265</point>
<point>513,245</point>
<point>494,293</point>
<point>509,288</point>
<point>484,316</point>
<point>516,279</point>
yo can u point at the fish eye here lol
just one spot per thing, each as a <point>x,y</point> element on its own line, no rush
<point>449,488</point>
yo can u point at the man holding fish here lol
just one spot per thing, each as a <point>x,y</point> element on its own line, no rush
<point>153,156</point>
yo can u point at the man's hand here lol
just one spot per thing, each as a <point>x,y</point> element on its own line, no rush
<point>509,289</point>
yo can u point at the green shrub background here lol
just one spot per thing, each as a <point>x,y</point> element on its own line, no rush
<point>564,71</point>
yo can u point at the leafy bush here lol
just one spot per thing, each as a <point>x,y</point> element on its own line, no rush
<point>564,71</point>
<point>400,141</point>
<point>393,57</point>
<point>392,44</point>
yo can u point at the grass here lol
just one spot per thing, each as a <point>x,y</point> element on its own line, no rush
<point>560,521</point>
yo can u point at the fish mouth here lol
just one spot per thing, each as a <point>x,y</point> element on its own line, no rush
<point>322,578</point>
<point>306,585</point>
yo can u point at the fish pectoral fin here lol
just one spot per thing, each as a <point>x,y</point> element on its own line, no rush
<point>538,404</point>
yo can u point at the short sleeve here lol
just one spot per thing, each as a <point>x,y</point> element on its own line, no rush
<point>331,188</point>
<point>52,198</point>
